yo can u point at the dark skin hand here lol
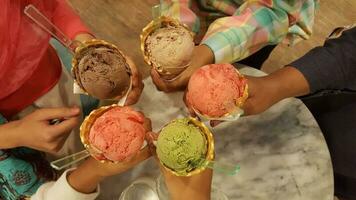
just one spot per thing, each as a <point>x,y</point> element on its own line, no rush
<point>91,172</point>
<point>268,90</point>
<point>263,92</point>
<point>202,55</point>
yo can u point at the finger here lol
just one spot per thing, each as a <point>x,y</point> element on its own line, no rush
<point>56,113</point>
<point>134,95</point>
<point>147,124</point>
<point>188,105</point>
<point>58,144</point>
<point>142,155</point>
<point>136,76</point>
<point>64,127</point>
<point>248,107</point>
<point>158,81</point>
<point>162,84</point>
<point>136,92</point>
<point>132,65</point>
<point>214,123</point>
<point>151,137</point>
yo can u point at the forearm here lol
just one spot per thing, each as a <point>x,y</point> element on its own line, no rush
<point>202,55</point>
<point>61,189</point>
<point>253,27</point>
<point>257,24</point>
<point>288,82</point>
<point>84,179</point>
<point>331,67</point>
<point>8,134</point>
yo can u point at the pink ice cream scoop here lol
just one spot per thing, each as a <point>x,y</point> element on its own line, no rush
<point>118,133</point>
<point>214,90</point>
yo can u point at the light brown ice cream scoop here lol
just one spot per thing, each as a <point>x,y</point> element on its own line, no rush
<point>103,72</point>
<point>168,48</point>
<point>171,48</point>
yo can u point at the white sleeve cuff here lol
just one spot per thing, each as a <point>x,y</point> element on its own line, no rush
<point>60,190</point>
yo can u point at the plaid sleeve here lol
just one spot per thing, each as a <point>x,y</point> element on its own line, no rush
<point>257,24</point>
<point>180,9</point>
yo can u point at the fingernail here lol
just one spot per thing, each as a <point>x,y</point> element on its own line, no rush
<point>75,110</point>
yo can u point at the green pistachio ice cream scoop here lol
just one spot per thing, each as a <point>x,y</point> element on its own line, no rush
<point>181,145</point>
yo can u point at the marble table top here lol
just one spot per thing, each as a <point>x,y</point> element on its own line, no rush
<point>282,152</point>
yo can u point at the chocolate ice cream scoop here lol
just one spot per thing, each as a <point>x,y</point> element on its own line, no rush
<point>103,72</point>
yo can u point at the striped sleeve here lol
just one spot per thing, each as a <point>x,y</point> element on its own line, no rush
<point>257,24</point>
<point>180,10</point>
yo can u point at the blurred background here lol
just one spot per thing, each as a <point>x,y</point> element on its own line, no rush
<point>121,22</point>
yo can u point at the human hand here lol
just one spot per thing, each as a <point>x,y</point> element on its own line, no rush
<point>109,169</point>
<point>262,94</point>
<point>88,175</point>
<point>268,90</point>
<point>36,132</point>
<point>91,172</point>
<point>202,55</point>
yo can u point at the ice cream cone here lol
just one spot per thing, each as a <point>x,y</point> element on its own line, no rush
<point>82,49</point>
<point>209,152</point>
<point>236,107</point>
<point>163,21</point>
<point>230,116</point>
<point>85,130</point>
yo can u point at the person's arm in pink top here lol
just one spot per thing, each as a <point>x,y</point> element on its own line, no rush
<point>69,22</point>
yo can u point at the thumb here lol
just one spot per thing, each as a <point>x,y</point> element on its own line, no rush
<point>56,113</point>
<point>65,126</point>
<point>156,79</point>
<point>214,123</point>
<point>151,137</point>
<point>188,105</point>
<point>248,107</point>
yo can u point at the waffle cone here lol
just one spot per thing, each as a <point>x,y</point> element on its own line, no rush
<point>148,30</point>
<point>80,51</point>
<point>209,153</point>
<point>85,130</point>
<point>226,117</point>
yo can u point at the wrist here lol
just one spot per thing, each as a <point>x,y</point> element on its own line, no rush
<point>205,55</point>
<point>289,82</point>
<point>9,135</point>
<point>202,55</point>
<point>85,178</point>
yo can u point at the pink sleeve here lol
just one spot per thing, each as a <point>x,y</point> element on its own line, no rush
<point>67,21</point>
